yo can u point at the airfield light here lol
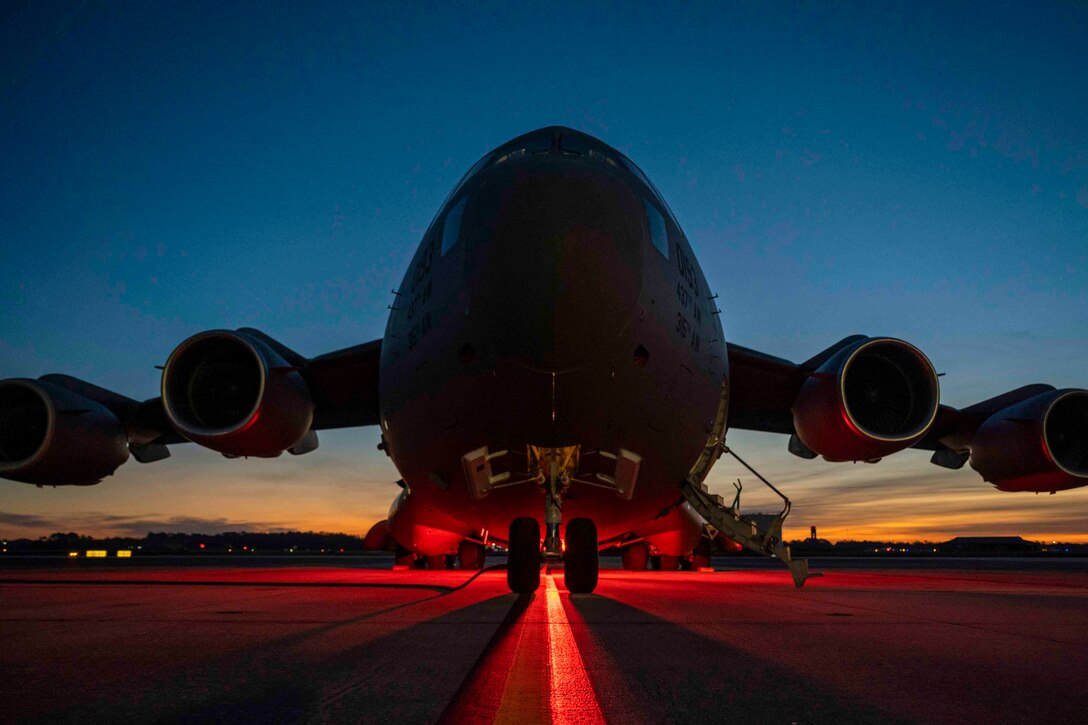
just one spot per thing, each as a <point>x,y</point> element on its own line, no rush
<point>72,554</point>
<point>202,546</point>
<point>124,553</point>
<point>96,553</point>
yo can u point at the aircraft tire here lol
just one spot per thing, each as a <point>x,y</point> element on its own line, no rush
<point>636,557</point>
<point>580,561</point>
<point>470,555</point>
<point>670,563</point>
<point>523,562</point>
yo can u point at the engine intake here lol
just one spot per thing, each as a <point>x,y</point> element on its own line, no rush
<point>53,436</point>
<point>868,400</point>
<point>234,393</point>
<point>1040,444</point>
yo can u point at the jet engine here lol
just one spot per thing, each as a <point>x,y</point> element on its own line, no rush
<point>1040,444</point>
<point>235,393</point>
<point>53,436</point>
<point>869,399</point>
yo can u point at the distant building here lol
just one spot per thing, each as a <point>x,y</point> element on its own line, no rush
<point>988,545</point>
<point>812,544</point>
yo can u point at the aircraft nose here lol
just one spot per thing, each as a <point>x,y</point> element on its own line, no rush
<point>558,267</point>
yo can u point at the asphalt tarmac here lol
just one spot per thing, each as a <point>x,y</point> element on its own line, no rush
<point>283,642</point>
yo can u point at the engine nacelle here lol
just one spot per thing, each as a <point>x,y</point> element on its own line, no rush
<point>868,400</point>
<point>232,392</point>
<point>52,436</point>
<point>1040,444</point>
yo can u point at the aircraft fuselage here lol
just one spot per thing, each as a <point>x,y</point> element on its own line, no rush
<point>553,302</point>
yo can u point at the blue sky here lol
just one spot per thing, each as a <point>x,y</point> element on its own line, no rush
<point>886,168</point>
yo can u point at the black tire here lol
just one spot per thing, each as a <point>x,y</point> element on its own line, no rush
<point>636,557</point>
<point>523,563</point>
<point>580,557</point>
<point>470,555</point>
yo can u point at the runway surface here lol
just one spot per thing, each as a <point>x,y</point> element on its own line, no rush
<point>132,643</point>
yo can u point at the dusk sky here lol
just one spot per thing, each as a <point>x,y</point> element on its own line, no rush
<point>902,169</point>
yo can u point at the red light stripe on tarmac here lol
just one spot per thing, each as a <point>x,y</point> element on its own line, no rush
<point>572,697</point>
<point>533,673</point>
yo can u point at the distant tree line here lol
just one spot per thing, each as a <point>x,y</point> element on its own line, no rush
<point>175,543</point>
<point>310,542</point>
<point>958,546</point>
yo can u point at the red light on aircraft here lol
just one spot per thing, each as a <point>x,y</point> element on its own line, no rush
<point>251,422</point>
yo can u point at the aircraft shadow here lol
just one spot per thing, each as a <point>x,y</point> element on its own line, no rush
<point>316,675</point>
<point>658,671</point>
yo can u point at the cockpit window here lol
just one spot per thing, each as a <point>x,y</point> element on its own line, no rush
<point>510,155</point>
<point>468,175</point>
<point>649,185</point>
<point>659,234</point>
<point>534,143</point>
<point>641,176</point>
<point>451,227</point>
<point>573,144</point>
<point>602,157</point>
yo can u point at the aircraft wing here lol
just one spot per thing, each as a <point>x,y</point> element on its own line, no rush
<point>864,398</point>
<point>239,392</point>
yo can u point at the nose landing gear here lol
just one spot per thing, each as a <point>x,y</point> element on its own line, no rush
<point>554,470</point>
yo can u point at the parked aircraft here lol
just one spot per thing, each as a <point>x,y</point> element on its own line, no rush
<point>554,377</point>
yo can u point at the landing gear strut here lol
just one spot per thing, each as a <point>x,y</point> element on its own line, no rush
<point>553,474</point>
<point>555,468</point>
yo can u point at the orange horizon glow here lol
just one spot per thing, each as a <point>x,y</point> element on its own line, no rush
<point>346,489</point>
<point>923,530</point>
